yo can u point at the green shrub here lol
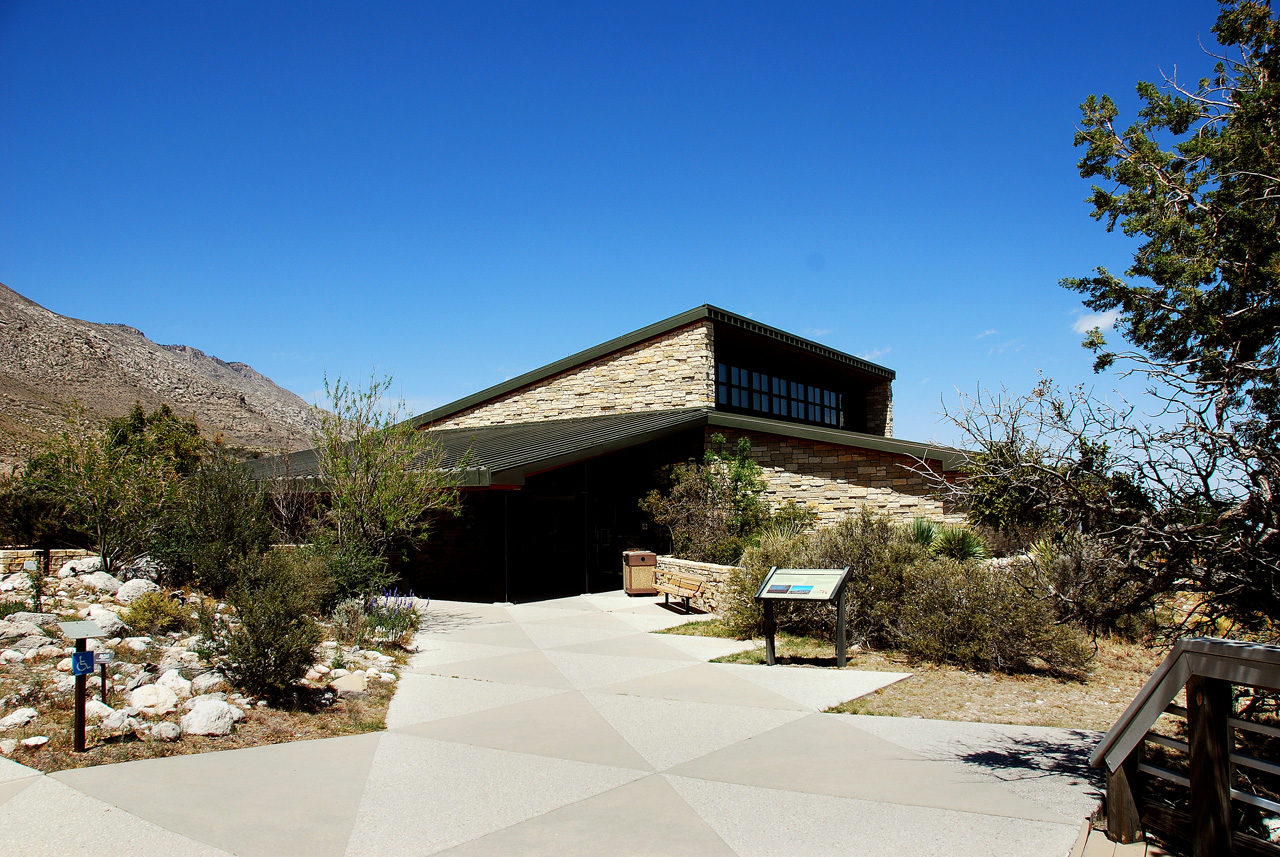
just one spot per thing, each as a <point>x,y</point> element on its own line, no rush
<point>922,531</point>
<point>270,642</point>
<point>155,613</point>
<point>349,621</point>
<point>221,521</point>
<point>355,569</point>
<point>8,608</point>
<point>902,596</point>
<point>1088,585</point>
<point>959,543</point>
<point>979,617</point>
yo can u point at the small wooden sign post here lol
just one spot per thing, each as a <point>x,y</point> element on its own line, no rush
<point>81,666</point>
<point>804,584</point>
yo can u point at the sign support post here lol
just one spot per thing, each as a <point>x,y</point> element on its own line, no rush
<point>81,667</point>
<point>804,584</point>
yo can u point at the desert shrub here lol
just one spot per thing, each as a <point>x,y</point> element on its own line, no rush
<point>269,643</point>
<point>220,521</point>
<point>959,543</point>
<point>903,596</point>
<point>8,608</point>
<point>349,621</point>
<point>155,613</point>
<point>1087,585</point>
<point>392,617</point>
<point>922,531</point>
<point>980,617</point>
<point>355,568</point>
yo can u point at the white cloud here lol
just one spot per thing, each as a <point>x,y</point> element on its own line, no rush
<point>816,331</point>
<point>1088,321</point>
<point>991,332</point>
<point>872,355</point>
<point>1011,346</point>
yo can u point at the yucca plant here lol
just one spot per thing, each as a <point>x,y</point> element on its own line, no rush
<point>959,543</point>
<point>922,531</point>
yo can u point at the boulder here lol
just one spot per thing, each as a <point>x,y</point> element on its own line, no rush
<point>15,583</point>
<point>142,568</point>
<point>48,651</point>
<point>387,677</point>
<point>18,630</point>
<point>166,731</point>
<point>213,717</point>
<point>108,620</point>
<point>153,700</point>
<point>208,683</point>
<point>64,684</point>
<point>121,722</point>
<point>7,746</point>
<point>142,679</point>
<point>84,565</point>
<point>353,683</point>
<point>10,656</point>
<point>176,657</point>
<point>132,590</point>
<point>96,709</point>
<point>173,680</point>
<point>18,718</point>
<point>28,644</point>
<point>100,581</point>
<point>206,697</point>
<point>43,620</point>
<point>64,665</point>
<point>35,741</point>
<point>137,644</point>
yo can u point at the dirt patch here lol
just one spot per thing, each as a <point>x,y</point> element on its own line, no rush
<point>936,692</point>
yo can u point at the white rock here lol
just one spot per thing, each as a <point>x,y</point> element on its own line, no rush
<point>207,683</point>
<point>84,565</point>
<point>132,590</point>
<point>353,683</point>
<point>14,719</point>
<point>386,677</point>
<point>96,709</point>
<point>173,680</point>
<point>137,644</point>
<point>120,722</point>
<point>7,746</point>
<point>10,656</point>
<point>102,582</point>
<point>64,665</point>
<point>312,675</point>
<point>35,741</point>
<point>206,697</point>
<point>108,620</point>
<point>166,731</point>
<point>153,700</point>
<point>237,713</point>
<point>370,653</point>
<point>208,718</point>
<point>322,669</point>
<point>339,673</point>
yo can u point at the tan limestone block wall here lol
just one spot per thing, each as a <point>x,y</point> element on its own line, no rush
<point>836,481</point>
<point>709,599</point>
<point>676,370</point>
<point>12,559</point>
<point>880,410</point>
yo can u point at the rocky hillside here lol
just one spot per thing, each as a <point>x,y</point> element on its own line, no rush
<point>47,361</point>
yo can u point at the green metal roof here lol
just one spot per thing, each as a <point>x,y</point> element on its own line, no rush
<point>704,312</point>
<point>504,455</point>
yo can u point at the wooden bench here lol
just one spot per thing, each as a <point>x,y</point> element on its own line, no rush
<point>681,585</point>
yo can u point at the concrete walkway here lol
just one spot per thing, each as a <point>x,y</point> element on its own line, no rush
<point>564,728</point>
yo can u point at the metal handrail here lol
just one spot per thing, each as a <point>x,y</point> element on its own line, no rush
<point>1252,664</point>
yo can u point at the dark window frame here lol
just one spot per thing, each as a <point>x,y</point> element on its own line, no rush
<point>754,392</point>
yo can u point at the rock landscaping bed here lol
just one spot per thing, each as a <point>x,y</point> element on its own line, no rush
<point>162,696</point>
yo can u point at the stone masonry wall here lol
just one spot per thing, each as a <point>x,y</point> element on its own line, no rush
<point>880,410</point>
<point>12,559</point>
<point>836,480</point>
<point>676,370</point>
<point>709,599</point>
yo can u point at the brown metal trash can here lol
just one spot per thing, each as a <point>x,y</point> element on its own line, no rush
<point>639,572</point>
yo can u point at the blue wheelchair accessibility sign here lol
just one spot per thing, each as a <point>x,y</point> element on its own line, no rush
<point>82,663</point>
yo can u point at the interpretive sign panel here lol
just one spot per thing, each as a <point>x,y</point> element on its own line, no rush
<point>804,584</point>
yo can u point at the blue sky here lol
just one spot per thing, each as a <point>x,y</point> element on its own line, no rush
<point>458,193</point>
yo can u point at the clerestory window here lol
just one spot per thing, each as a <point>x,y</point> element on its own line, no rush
<point>777,397</point>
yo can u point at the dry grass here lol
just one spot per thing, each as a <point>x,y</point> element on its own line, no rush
<point>260,726</point>
<point>945,693</point>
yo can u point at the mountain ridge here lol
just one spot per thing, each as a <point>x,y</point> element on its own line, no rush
<point>48,362</point>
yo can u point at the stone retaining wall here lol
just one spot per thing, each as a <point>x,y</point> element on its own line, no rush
<point>709,599</point>
<point>676,370</point>
<point>11,559</point>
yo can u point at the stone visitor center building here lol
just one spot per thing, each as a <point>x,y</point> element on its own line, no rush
<point>563,454</point>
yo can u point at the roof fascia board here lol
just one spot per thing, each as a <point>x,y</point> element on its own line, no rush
<point>950,459</point>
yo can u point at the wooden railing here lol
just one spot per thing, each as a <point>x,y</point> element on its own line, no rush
<point>1186,790</point>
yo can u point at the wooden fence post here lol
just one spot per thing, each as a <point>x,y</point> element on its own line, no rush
<point>1209,740</point>
<point>1124,790</point>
